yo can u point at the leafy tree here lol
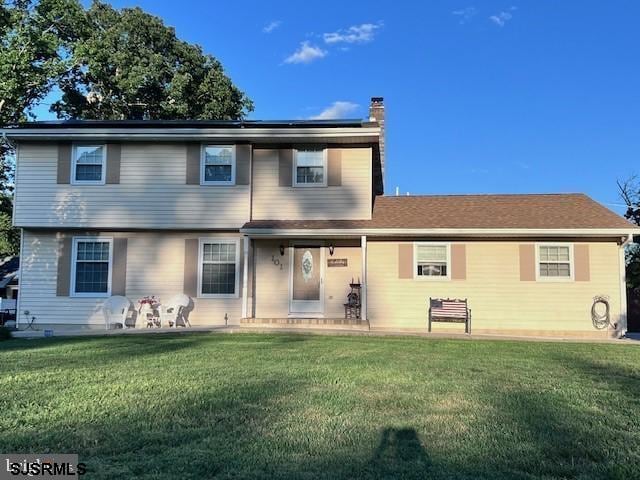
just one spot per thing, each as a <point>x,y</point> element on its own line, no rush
<point>33,36</point>
<point>128,64</point>
<point>33,39</point>
<point>630,193</point>
<point>9,236</point>
<point>108,64</point>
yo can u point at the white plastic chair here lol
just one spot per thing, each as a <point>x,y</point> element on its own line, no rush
<point>170,311</point>
<point>115,311</point>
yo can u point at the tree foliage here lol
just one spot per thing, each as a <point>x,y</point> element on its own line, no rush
<point>128,64</point>
<point>108,64</point>
<point>33,39</point>
<point>9,235</point>
<point>630,193</point>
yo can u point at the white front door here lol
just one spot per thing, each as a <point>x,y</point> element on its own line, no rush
<point>307,280</point>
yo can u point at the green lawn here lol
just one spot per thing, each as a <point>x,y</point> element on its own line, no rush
<point>304,406</point>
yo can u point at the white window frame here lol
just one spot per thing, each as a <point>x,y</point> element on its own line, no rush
<point>74,162</point>
<point>571,276</point>
<point>203,150</point>
<point>325,167</point>
<point>428,278</point>
<point>234,241</point>
<point>74,260</point>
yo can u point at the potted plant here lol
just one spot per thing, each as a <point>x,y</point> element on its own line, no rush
<point>148,310</point>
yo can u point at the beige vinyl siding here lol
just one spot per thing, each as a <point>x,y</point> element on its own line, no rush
<point>273,275</point>
<point>151,194</point>
<point>499,300</point>
<point>350,201</point>
<point>155,266</point>
<point>337,279</point>
<point>272,280</point>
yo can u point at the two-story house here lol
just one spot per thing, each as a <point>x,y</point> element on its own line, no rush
<point>270,222</point>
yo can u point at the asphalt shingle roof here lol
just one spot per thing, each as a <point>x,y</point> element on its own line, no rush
<point>538,211</point>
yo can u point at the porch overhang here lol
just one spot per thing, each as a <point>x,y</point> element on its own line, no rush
<point>257,230</point>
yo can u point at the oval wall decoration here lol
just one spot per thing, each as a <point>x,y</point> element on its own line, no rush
<point>307,266</point>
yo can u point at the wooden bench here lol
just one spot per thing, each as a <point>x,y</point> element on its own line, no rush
<point>448,310</point>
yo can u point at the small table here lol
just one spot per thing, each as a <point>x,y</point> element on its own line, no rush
<point>149,316</point>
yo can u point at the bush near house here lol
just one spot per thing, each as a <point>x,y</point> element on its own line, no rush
<point>302,406</point>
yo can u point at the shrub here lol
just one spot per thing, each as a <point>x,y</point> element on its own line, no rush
<point>5,333</point>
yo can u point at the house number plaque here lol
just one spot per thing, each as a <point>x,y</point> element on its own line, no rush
<point>337,262</point>
<point>277,262</point>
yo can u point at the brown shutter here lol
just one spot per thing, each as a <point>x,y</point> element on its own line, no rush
<point>193,163</point>
<point>113,163</point>
<point>527,263</point>
<point>191,267</point>
<point>119,270</point>
<point>405,260</point>
<point>243,164</point>
<point>64,266</point>
<point>64,162</point>
<point>458,261</point>
<point>335,167</point>
<point>581,263</point>
<point>285,167</point>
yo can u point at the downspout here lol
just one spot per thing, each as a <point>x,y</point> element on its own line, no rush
<point>21,257</point>
<point>13,223</point>
<point>622,322</point>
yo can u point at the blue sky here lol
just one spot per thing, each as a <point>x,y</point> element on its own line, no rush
<point>481,97</point>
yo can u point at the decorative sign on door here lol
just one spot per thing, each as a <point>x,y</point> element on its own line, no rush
<point>337,262</point>
<point>307,266</point>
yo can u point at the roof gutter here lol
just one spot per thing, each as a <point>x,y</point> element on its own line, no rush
<point>443,232</point>
<point>249,134</point>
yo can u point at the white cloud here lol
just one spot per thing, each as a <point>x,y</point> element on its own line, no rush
<point>503,17</point>
<point>465,14</point>
<point>307,53</point>
<point>271,26</point>
<point>339,109</point>
<point>355,34</point>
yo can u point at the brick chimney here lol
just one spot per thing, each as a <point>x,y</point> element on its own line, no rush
<point>376,114</point>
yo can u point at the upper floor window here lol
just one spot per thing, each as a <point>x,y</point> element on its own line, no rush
<point>555,262</point>
<point>91,266</point>
<point>432,260</point>
<point>219,267</point>
<point>218,165</point>
<point>310,168</point>
<point>88,165</point>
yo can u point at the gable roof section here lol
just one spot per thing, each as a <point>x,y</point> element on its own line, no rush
<point>472,212</point>
<point>495,211</point>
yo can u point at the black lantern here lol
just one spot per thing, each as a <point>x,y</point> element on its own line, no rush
<point>282,250</point>
<point>331,249</point>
